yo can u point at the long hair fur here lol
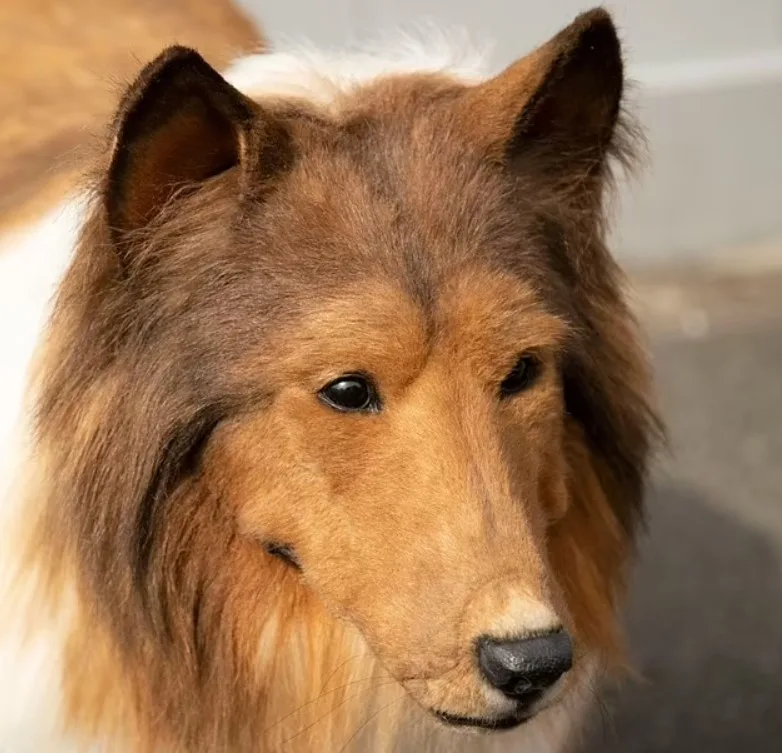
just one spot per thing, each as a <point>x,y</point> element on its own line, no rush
<point>180,638</point>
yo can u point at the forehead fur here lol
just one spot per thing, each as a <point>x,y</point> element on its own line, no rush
<point>391,185</point>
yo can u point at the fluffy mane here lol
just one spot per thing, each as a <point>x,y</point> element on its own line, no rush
<point>178,634</point>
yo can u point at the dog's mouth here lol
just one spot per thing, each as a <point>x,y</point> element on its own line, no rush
<point>491,724</point>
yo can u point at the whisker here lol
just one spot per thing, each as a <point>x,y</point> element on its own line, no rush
<point>340,666</point>
<point>368,720</point>
<point>320,697</point>
<point>332,710</point>
<point>607,721</point>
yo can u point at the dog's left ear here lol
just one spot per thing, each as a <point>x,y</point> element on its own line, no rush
<point>178,125</point>
<point>562,100</point>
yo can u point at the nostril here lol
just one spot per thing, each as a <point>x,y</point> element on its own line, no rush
<point>523,669</point>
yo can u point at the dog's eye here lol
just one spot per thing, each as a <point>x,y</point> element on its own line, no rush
<point>521,376</point>
<point>351,392</point>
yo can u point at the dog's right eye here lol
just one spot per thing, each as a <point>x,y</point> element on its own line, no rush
<point>351,393</point>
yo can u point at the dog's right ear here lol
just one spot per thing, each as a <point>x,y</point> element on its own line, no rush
<point>559,104</point>
<point>179,124</point>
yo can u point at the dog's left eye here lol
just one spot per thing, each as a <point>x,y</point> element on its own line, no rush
<point>522,376</point>
<point>352,393</point>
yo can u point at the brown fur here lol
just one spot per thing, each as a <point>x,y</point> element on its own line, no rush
<point>426,233</point>
<point>62,64</point>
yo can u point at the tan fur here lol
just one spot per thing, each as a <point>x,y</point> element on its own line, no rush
<point>63,64</point>
<point>405,236</point>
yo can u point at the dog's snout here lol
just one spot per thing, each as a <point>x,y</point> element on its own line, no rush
<point>523,669</point>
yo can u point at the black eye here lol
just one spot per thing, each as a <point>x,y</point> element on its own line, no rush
<point>522,375</point>
<point>351,392</point>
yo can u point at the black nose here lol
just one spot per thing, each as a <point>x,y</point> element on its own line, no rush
<point>524,669</point>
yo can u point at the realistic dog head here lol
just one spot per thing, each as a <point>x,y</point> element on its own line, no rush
<point>366,366</point>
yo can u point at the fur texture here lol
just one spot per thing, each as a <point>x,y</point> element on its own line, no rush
<point>241,249</point>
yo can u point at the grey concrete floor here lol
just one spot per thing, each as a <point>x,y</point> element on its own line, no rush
<point>705,612</point>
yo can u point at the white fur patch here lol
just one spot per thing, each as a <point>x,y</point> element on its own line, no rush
<point>523,616</point>
<point>31,264</point>
<point>321,77</point>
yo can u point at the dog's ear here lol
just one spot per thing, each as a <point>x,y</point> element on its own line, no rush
<point>562,100</point>
<point>179,124</point>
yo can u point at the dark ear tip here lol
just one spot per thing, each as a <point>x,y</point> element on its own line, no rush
<point>174,59</point>
<point>594,44</point>
<point>597,17</point>
<point>185,56</point>
<point>179,50</point>
<point>595,30</point>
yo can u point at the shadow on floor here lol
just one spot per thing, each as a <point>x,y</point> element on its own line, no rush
<point>705,629</point>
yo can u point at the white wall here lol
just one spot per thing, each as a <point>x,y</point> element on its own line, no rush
<point>709,92</point>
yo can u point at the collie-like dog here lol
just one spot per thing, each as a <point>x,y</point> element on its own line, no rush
<point>324,420</point>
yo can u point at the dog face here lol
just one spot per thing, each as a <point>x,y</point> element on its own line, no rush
<point>408,462</point>
<point>383,344</point>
